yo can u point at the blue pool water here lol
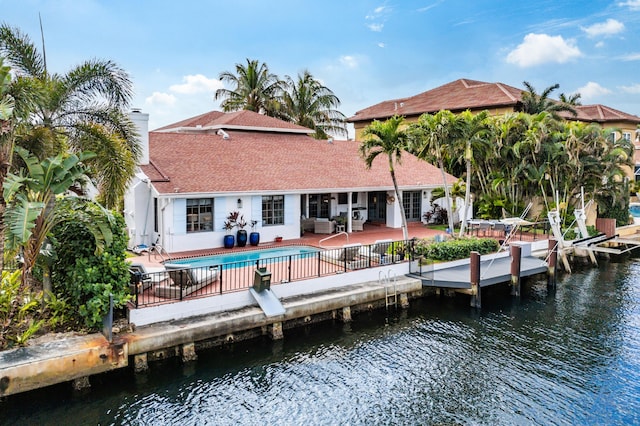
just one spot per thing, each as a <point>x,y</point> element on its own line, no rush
<point>634,210</point>
<point>246,257</point>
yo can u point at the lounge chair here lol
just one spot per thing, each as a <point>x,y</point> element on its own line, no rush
<point>140,278</point>
<point>185,280</point>
<point>357,225</point>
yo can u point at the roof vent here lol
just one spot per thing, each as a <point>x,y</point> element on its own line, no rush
<point>222,133</point>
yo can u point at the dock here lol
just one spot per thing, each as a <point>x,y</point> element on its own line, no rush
<point>494,271</point>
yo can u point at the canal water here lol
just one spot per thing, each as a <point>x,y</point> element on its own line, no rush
<point>569,356</point>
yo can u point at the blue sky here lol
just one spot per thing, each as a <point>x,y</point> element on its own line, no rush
<point>365,51</point>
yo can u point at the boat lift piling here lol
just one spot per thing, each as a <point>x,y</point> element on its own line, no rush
<point>553,262</point>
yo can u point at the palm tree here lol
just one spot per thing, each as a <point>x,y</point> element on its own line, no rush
<point>255,89</point>
<point>472,129</point>
<point>534,103</point>
<point>386,138</point>
<point>572,100</point>
<point>308,103</point>
<point>82,110</point>
<point>434,135</point>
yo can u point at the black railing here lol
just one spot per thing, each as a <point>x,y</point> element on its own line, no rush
<point>178,282</point>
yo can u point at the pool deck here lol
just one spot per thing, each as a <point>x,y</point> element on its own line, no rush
<point>369,235</point>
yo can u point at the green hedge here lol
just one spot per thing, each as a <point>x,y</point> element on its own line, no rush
<point>455,249</point>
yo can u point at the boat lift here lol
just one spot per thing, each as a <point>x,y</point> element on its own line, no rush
<point>591,244</point>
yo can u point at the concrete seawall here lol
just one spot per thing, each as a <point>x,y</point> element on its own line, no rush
<point>76,358</point>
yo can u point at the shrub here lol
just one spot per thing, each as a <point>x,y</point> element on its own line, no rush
<point>455,249</point>
<point>83,279</point>
<point>18,311</point>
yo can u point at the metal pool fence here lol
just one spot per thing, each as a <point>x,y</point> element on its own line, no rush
<point>179,282</point>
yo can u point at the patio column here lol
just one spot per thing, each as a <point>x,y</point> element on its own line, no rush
<point>349,211</point>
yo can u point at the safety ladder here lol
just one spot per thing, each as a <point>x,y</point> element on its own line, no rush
<point>389,281</point>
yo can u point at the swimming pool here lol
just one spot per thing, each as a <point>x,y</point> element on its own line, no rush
<point>634,210</point>
<point>244,258</point>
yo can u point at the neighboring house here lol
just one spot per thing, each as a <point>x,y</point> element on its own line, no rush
<point>195,172</point>
<point>497,98</point>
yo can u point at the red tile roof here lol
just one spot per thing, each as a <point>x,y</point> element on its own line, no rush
<point>456,96</point>
<point>269,161</point>
<point>463,94</point>
<point>234,120</point>
<point>600,114</point>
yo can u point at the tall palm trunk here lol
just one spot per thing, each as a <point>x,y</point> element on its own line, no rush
<point>446,194</point>
<point>467,192</point>
<point>405,229</point>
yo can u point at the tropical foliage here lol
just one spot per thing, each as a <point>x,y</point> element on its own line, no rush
<point>305,101</point>
<point>308,103</point>
<point>255,89</point>
<point>433,139</point>
<point>86,270</point>
<point>534,103</point>
<point>517,158</point>
<point>387,139</point>
<point>82,110</point>
<point>58,132</point>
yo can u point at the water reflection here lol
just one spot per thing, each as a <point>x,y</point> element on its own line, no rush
<point>568,356</point>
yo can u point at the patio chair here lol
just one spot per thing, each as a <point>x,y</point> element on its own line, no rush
<point>499,229</point>
<point>324,226</point>
<point>140,278</point>
<point>483,227</point>
<point>357,225</point>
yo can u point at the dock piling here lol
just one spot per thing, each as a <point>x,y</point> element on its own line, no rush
<point>516,261</point>
<point>476,290</point>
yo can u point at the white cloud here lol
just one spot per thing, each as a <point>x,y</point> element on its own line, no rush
<point>159,98</point>
<point>631,4</point>
<point>381,45</point>
<point>431,6</point>
<point>600,44</point>
<point>607,28</point>
<point>379,14</point>
<point>196,84</point>
<point>634,88</point>
<point>631,57</point>
<point>539,49</point>
<point>592,90</point>
<point>349,61</point>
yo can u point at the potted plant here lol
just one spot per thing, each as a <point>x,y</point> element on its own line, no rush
<point>241,235</point>
<point>229,239</point>
<point>254,237</point>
